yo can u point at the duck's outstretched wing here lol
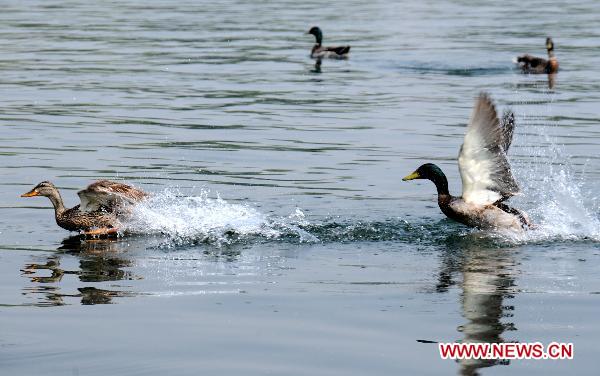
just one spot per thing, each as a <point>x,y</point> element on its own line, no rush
<point>484,169</point>
<point>108,195</point>
<point>508,126</point>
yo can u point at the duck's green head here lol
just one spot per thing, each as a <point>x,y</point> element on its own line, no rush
<point>431,172</point>
<point>549,44</point>
<point>427,171</point>
<point>316,31</point>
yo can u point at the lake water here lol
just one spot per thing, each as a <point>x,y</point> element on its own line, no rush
<point>280,238</point>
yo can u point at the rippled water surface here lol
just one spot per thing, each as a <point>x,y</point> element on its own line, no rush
<point>280,238</point>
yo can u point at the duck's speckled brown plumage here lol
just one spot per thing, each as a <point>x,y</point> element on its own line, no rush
<point>76,220</point>
<point>109,196</point>
<point>105,203</point>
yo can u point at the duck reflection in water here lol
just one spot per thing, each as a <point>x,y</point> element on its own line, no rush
<point>488,282</point>
<point>99,261</point>
<point>317,68</point>
<point>550,82</point>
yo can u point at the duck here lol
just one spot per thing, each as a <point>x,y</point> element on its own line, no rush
<point>487,179</point>
<point>538,65</point>
<point>319,51</point>
<point>104,203</point>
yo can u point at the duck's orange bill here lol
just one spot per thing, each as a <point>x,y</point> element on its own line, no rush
<point>414,175</point>
<point>30,194</point>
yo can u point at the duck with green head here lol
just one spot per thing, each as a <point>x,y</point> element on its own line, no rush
<point>485,173</point>
<point>538,65</point>
<point>319,51</point>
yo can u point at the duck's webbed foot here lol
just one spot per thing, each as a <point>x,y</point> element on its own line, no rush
<point>101,232</point>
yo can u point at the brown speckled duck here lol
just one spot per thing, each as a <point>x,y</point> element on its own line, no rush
<point>103,204</point>
<point>538,65</point>
<point>320,52</point>
<point>486,176</point>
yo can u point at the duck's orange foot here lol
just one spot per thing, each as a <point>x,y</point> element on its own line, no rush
<point>101,232</point>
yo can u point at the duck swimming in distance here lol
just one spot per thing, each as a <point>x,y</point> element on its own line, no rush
<point>103,204</point>
<point>485,172</point>
<point>320,52</point>
<point>538,65</point>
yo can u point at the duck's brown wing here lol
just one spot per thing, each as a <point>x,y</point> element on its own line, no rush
<point>109,195</point>
<point>528,62</point>
<point>340,50</point>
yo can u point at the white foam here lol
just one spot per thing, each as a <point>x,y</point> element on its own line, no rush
<point>554,195</point>
<point>187,219</point>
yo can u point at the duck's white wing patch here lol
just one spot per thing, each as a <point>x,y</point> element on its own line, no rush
<point>93,200</point>
<point>484,168</point>
<point>89,202</point>
<point>108,195</point>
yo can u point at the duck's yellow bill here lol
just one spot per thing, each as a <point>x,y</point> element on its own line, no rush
<point>414,175</point>
<point>30,194</point>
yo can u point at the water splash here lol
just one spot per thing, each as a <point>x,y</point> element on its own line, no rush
<point>558,201</point>
<point>178,220</point>
<point>553,195</point>
<point>186,220</point>
<point>175,220</point>
<point>181,220</point>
